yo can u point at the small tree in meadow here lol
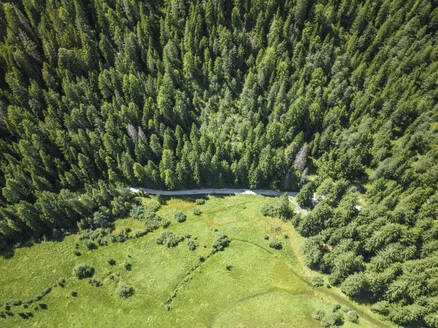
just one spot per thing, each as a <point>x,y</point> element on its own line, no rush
<point>124,290</point>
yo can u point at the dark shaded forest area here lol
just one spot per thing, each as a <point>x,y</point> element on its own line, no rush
<point>179,94</point>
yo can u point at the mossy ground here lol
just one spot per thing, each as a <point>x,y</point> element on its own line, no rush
<point>246,285</point>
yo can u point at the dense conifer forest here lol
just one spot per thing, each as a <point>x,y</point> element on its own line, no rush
<point>177,94</point>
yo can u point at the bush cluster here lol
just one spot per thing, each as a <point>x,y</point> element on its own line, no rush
<point>153,221</point>
<point>192,245</point>
<point>331,319</point>
<point>180,216</point>
<point>82,271</point>
<point>120,237</point>
<point>169,239</point>
<point>91,237</point>
<point>279,207</point>
<point>220,243</point>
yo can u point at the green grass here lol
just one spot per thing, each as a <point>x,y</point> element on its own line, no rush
<point>263,288</point>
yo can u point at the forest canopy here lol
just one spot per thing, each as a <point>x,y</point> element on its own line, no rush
<point>178,94</point>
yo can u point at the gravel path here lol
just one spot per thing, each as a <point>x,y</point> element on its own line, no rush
<point>225,191</point>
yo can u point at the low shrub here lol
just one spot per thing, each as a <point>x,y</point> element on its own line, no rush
<point>266,237</point>
<point>90,245</point>
<point>197,211</point>
<point>382,307</point>
<point>82,271</point>
<point>192,245</point>
<point>127,266</point>
<point>46,291</point>
<point>317,281</point>
<point>124,290</point>
<point>77,253</point>
<point>101,242</point>
<point>275,243</point>
<point>111,261</point>
<point>161,199</point>
<point>94,282</point>
<point>74,294</point>
<point>180,216</point>
<point>200,201</point>
<point>352,316</point>
<point>37,298</point>
<point>318,315</point>
<point>141,233</point>
<point>336,308</point>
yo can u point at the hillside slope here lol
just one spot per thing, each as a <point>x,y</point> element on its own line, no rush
<point>251,94</point>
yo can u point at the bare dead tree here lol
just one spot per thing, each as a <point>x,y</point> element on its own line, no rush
<point>304,176</point>
<point>132,132</point>
<point>141,134</point>
<point>301,158</point>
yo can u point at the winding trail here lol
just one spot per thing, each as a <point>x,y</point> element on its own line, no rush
<point>254,244</point>
<point>247,298</point>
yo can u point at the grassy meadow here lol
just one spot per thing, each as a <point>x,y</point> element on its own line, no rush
<point>248,284</point>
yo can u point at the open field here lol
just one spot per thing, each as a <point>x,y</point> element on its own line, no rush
<point>248,284</point>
